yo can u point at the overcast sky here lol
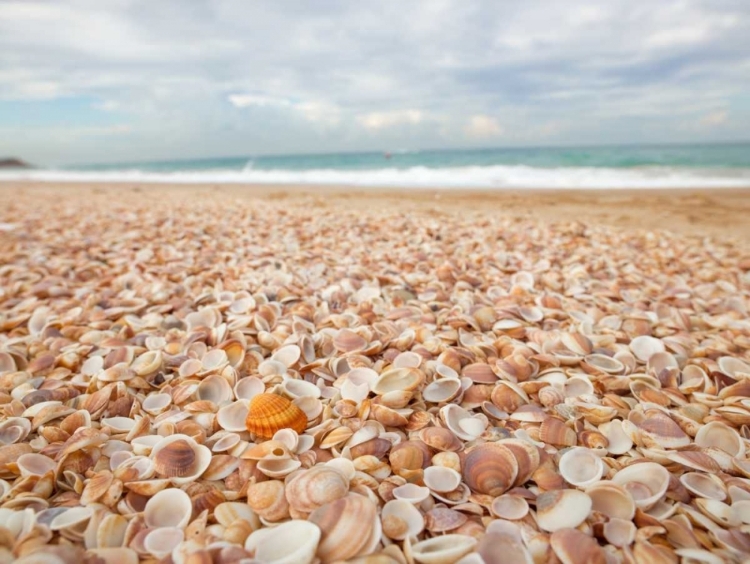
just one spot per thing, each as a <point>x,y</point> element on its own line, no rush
<point>118,80</point>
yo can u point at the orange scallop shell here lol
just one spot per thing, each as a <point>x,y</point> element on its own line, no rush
<point>270,413</point>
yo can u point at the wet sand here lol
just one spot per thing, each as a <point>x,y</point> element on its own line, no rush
<point>719,213</point>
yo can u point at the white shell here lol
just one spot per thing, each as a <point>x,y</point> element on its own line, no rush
<point>168,508</point>
<point>292,542</point>
<point>581,467</point>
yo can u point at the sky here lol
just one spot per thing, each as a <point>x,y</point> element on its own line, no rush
<point>87,81</point>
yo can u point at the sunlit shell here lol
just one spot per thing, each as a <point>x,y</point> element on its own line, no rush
<point>644,347</point>
<point>580,467</point>
<point>341,522</point>
<point>180,459</point>
<point>556,432</point>
<point>718,435</point>
<point>268,500</point>
<point>510,507</point>
<point>490,469</point>
<point>441,479</point>
<point>317,486</point>
<point>611,500</point>
<point>400,519</point>
<point>443,549</point>
<point>293,542</point>
<point>704,485</point>
<point>168,508</point>
<point>269,413</point>
<point>646,482</point>
<point>572,546</point>
<point>560,509</point>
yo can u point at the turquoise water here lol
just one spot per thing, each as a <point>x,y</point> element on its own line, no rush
<point>699,156</point>
<point>654,166</point>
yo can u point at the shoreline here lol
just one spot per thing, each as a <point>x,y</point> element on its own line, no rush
<point>715,212</point>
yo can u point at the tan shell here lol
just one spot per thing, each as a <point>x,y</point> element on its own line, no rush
<point>718,435</point>
<point>510,507</point>
<point>646,482</point>
<point>490,469</point>
<point>572,546</point>
<point>293,542</point>
<point>180,459</point>
<point>342,522</point>
<point>268,500</point>
<point>611,500</point>
<point>168,508</point>
<point>317,486</point>
<point>400,519</point>
<point>269,413</point>
<point>556,432</point>
<point>445,549</point>
<point>580,467</point>
<point>561,509</point>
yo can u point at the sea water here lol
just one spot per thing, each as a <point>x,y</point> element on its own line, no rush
<point>644,166</point>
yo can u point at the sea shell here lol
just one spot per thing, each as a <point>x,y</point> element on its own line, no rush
<point>572,546</point>
<point>180,459</point>
<point>556,432</point>
<point>268,500</point>
<point>445,549</point>
<point>619,532</point>
<point>269,413</point>
<point>611,500</point>
<point>293,542</point>
<point>718,435</point>
<point>490,469</point>
<point>168,508</point>
<point>561,509</point>
<point>580,467</point>
<point>400,519</point>
<point>317,486</point>
<point>510,507</point>
<point>342,523</point>
<point>646,482</point>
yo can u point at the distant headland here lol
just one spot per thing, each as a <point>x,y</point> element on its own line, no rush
<point>14,163</point>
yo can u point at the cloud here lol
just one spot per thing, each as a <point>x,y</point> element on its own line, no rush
<point>374,121</point>
<point>233,77</point>
<point>482,127</point>
<point>714,119</point>
<point>247,100</point>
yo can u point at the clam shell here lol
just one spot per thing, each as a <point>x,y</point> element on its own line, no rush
<point>646,482</point>
<point>704,485</point>
<point>619,532</point>
<point>445,549</point>
<point>441,479</point>
<point>342,523</point>
<point>268,500</point>
<point>160,543</point>
<point>511,507</point>
<point>561,509</point>
<point>572,546</point>
<point>317,486</point>
<point>400,519</point>
<point>293,542</point>
<point>180,459</point>
<point>168,508</point>
<point>269,413</point>
<point>490,469</point>
<point>555,432</point>
<point>580,467</point>
<point>718,435</point>
<point>611,500</point>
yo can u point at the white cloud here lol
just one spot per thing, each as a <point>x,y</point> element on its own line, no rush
<point>483,127</point>
<point>714,119</point>
<point>247,100</point>
<point>374,121</point>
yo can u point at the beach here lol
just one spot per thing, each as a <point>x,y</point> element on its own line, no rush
<point>321,373</point>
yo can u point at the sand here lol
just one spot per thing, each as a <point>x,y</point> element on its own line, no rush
<point>720,213</point>
<point>480,334</point>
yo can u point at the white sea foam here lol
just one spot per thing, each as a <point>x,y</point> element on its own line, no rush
<point>499,176</point>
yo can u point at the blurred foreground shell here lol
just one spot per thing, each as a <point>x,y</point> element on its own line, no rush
<point>270,413</point>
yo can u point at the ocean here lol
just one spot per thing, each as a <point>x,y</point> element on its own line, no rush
<point>646,166</point>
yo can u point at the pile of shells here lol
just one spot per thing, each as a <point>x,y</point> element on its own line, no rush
<point>247,381</point>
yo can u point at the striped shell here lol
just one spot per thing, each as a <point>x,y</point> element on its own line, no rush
<point>270,413</point>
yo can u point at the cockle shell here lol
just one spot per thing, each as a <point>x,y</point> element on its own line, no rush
<point>268,500</point>
<point>168,508</point>
<point>490,468</point>
<point>572,546</point>
<point>350,527</point>
<point>646,482</point>
<point>400,519</point>
<point>180,459</point>
<point>317,486</point>
<point>444,549</point>
<point>560,509</point>
<point>293,542</point>
<point>611,500</point>
<point>269,413</point>
<point>580,467</point>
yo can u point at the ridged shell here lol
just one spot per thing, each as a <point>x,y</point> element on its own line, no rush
<point>180,458</point>
<point>572,546</point>
<point>343,523</point>
<point>317,486</point>
<point>555,432</point>
<point>270,413</point>
<point>490,469</point>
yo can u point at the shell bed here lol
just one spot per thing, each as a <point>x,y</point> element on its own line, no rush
<point>195,381</point>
